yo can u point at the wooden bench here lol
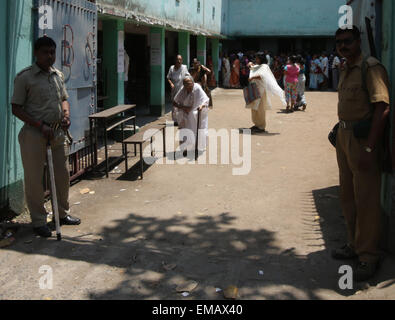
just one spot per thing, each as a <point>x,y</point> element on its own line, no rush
<point>108,120</point>
<point>140,138</point>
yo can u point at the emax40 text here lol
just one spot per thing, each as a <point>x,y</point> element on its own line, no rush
<point>219,309</point>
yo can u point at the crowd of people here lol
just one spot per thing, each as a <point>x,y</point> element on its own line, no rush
<point>321,71</point>
<point>288,75</point>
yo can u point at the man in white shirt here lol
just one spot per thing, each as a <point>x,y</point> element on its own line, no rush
<point>176,75</point>
<point>268,58</point>
<point>335,72</point>
<point>325,65</point>
<point>325,70</point>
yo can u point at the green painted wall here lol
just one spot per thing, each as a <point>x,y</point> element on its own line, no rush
<point>157,99</point>
<point>214,56</point>
<point>115,80</point>
<point>387,57</point>
<point>183,46</point>
<point>3,103</point>
<point>388,39</point>
<point>201,49</point>
<point>16,54</point>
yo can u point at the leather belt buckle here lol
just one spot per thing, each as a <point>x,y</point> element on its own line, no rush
<point>342,124</point>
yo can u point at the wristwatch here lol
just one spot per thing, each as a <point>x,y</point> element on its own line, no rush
<point>368,149</point>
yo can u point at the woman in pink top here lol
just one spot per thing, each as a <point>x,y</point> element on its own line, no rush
<point>291,80</point>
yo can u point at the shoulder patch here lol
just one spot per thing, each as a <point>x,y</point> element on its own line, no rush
<point>371,61</point>
<point>24,70</point>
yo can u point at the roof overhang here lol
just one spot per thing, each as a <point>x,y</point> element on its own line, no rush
<point>111,12</point>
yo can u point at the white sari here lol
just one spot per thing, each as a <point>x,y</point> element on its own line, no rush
<point>226,73</point>
<point>189,120</point>
<point>267,86</point>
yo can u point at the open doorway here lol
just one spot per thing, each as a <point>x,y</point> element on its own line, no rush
<point>137,90</point>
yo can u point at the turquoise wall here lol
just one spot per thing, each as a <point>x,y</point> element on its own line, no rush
<point>236,17</point>
<point>182,12</point>
<point>3,101</point>
<point>283,17</point>
<point>387,57</point>
<point>16,54</point>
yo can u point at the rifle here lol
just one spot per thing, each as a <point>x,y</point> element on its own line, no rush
<point>372,47</point>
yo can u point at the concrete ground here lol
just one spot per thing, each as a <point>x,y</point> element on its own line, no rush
<point>269,233</point>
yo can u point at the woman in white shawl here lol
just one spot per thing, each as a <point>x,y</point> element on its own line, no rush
<point>190,100</point>
<point>268,87</point>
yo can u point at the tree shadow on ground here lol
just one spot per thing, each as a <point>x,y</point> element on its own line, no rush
<point>332,227</point>
<point>208,250</point>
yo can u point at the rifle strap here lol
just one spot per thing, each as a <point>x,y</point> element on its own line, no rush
<point>364,71</point>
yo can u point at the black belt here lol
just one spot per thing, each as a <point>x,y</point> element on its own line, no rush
<point>347,125</point>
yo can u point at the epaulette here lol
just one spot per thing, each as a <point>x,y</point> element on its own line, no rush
<point>24,70</point>
<point>372,61</point>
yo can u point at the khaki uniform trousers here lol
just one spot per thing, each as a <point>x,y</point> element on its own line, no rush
<point>259,115</point>
<point>33,151</point>
<point>359,196</point>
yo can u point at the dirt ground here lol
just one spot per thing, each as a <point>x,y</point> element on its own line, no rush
<point>269,232</point>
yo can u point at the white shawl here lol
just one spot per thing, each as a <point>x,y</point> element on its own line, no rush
<point>189,120</point>
<point>195,99</point>
<point>267,84</point>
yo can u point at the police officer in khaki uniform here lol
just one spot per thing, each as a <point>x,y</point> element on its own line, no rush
<point>363,99</point>
<point>40,101</point>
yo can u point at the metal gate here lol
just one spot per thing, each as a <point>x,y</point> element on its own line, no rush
<point>72,24</point>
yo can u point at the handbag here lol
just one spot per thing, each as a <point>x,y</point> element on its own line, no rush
<point>251,93</point>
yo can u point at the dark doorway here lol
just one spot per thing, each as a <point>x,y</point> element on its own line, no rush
<point>138,85</point>
<point>286,45</point>
<point>193,49</point>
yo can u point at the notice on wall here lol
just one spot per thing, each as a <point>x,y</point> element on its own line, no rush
<point>201,54</point>
<point>121,52</point>
<point>156,49</point>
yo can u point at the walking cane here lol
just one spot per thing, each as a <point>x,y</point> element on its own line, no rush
<point>54,197</point>
<point>197,137</point>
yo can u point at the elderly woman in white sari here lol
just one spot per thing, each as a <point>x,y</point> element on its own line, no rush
<point>268,87</point>
<point>190,100</point>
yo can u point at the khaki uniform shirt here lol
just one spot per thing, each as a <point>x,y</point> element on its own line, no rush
<point>40,93</point>
<point>354,102</point>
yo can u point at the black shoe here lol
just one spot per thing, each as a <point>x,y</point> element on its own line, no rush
<point>365,270</point>
<point>343,253</point>
<point>70,221</point>
<point>256,129</point>
<point>43,231</point>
